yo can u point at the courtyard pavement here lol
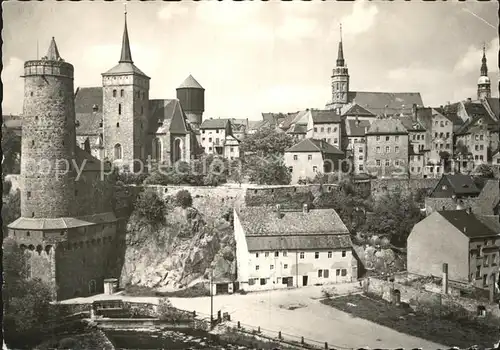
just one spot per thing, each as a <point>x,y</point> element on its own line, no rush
<point>309,318</point>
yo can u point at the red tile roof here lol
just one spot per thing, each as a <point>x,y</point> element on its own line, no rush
<point>358,110</point>
<point>387,126</point>
<point>324,116</point>
<point>356,128</point>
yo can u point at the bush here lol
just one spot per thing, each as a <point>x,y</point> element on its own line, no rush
<point>166,312</point>
<point>151,207</point>
<point>67,343</point>
<point>183,199</point>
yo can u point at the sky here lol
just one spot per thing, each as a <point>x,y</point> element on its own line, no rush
<point>253,57</point>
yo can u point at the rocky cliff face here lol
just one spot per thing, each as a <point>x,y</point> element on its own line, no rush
<point>180,252</point>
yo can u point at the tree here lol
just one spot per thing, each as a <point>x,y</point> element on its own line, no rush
<point>266,141</point>
<point>269,170</point>
<point>26,302</point>
<point>11,148</point>
<point>484,171</point>
<point>183,198</point>
<point>151,207</point>
<point>11,209</point>
<point>394,215</point>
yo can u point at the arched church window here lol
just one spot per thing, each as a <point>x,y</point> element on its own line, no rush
<point>119,108</point>
<point>121,93</point>
<point>118,151</point>
<point>114,93</point>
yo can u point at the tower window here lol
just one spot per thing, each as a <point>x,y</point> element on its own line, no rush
<point>117,125</point>
<point>118,151</point>
<point>32,142</point>
<point>28,194</point>
<point>114,93</point>
<point>119,108</point>
<point>121,93</point>
<point>31,93</point>
<point>142,110</point>
<point>36,118</point>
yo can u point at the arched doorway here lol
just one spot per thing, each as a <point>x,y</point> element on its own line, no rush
<point>177,150</point>
<point>92,287</point>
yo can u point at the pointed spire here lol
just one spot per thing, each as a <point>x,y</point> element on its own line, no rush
<point>340,56</point>
<point>126,56</point>
<point>484,67</point>
<point>53,53</point>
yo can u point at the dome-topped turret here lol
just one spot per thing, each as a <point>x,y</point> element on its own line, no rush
<point>483,80</point>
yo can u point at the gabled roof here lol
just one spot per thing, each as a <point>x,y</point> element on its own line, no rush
<point>190,83</point>
<point>312,145</point>
<point>387,126</point>
<point>410,124</point>
<point>264,221</point>
<point>297,129</point>
<point>88,121</point>
<point>493,105</point>
<point>356,127</point>
<point>166,115</point>
<point>294,118</point>
<point>219,123</point>
<point>356,109</point>
<point>474,109</point>
<point>258,124</point>
<point>324,116</point>
<point>468,223</point>
<point>380,103</point>
<point>460,184</point>
<point>477,124</point>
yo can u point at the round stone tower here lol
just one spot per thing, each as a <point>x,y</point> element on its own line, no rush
<point>191,95</point>
<point>48,138</point>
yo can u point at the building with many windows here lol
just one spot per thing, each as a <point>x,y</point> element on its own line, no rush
<point>387,148</point>
<point>279,249</point>
<point>324,125</point>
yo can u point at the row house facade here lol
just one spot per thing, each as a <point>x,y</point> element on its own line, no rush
<point>215,134</point>
<point>277,249</point>
<point>387,148</point>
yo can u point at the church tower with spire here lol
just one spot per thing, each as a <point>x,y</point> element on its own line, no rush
<point>125,109</point>
<point>483,83</point>
<point>340,79</point>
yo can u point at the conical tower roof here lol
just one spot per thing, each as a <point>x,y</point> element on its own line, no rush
<point>190,83</point>
<point>340,56</point>
<point>126,56</point>
<point>53,52</point>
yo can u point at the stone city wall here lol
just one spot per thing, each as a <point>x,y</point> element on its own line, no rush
<point>422,299</point>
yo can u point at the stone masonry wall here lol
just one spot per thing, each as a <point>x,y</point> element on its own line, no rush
<point>379,186</point>
<point>419,297</point>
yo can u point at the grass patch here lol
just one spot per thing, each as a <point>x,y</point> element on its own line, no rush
<point>190,292</point>
<point>447,331</point>
<point>252,342</point>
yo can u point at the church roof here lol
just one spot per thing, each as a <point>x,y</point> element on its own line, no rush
<point>88,121</point>
<point>190,83</point>
<point>166,115</point>
<point>380,103</point>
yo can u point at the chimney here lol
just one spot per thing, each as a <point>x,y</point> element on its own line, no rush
<point>305,208</point>
<point>445,278</point>
<point>493,286</point>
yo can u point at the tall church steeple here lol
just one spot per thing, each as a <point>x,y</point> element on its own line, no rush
<point>340,79</point>
<point>340,56</point>
<point>483,83</point>
<point>126,56</point>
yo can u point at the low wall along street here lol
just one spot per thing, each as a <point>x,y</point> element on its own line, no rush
<point>424,299</point>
